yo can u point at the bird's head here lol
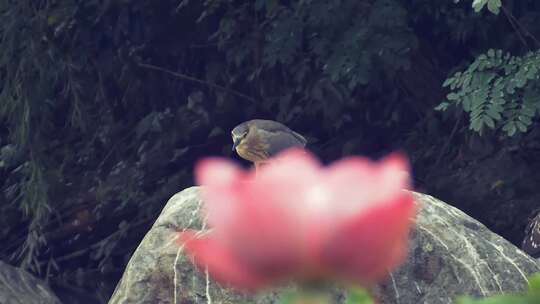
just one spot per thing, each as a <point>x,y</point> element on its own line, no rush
<point>239,133</point>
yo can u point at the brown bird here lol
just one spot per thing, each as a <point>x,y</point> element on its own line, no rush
<point>257,140</point>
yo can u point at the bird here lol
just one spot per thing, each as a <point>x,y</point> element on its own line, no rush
<point>257,140</point>
<point>531,241</point>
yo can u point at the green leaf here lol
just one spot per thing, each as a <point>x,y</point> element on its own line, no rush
<point>532,72</point>
<point>306,296</point>
<point>467,104</point>
<point>452,96</point>
<point>476,124</point>
<point>489,122</point>
<point>442,106</point>
<point>493,113</point>
<point>474,66</point>
<point>477,102</point>
<point>525,119</point>
<point>496,101</point>
<point>534,284</point>
<point>476,114</point>
<point>494,6</point>
<point>504,299</point>
<point>448,82</point>
<point>467,80</point>
<point>511,88</point>
<point>359,296</point>
<point>510,129</point>
<point>521,126</point>
<point>528,111</point>
<point>520,80</point>
<point>478,5</point>
<point>288,298</point>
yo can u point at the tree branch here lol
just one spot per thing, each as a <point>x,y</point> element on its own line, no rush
<point>518,27</point>
<point>193,79</point>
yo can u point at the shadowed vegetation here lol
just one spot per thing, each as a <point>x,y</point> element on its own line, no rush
<point>106,105</point>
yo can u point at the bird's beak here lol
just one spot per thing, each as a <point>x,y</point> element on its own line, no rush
<point>236,142</point>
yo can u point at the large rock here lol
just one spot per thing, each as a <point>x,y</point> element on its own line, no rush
<point>451,254</point>
<point>19,287</point>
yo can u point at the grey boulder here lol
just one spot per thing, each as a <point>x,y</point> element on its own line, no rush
<point>20,287</point>
<point>450,254</point>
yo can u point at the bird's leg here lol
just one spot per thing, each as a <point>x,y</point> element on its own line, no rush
<point>258,166</point>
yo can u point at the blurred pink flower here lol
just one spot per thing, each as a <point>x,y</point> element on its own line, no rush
<point>300,220</point>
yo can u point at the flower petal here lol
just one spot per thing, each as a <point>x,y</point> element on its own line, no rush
<point>295,218</point>
<point>367,247</point>
<point>216,171</point>
<point>292,182</point>
<point>286,189</point>
<point>221,182</point>
<point>288,169</point>
<point>221,263</point>
<point>359,184</point>
<point>243,212</point>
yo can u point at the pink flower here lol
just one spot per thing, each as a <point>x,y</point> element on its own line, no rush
<point>300,220</point>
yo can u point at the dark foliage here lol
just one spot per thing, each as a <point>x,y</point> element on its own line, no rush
<point>107,105</point>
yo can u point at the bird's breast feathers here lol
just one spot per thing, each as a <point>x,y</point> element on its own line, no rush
<point>254,152</point>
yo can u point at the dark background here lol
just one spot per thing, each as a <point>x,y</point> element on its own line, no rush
<point>106,106</point>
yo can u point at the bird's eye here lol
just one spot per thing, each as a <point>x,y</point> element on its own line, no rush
<point>237,136</point>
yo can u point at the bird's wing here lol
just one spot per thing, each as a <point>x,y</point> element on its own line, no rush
<point>274,126</point>
<point>280,140</point>
<point>301,138</point>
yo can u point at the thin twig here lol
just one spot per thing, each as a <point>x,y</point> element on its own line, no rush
<point>95,245</point>
<point>193,79</point>
<point>445,147</point>
<point>515,23</point>
<point>516,28</point>
<point>527,32</point>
